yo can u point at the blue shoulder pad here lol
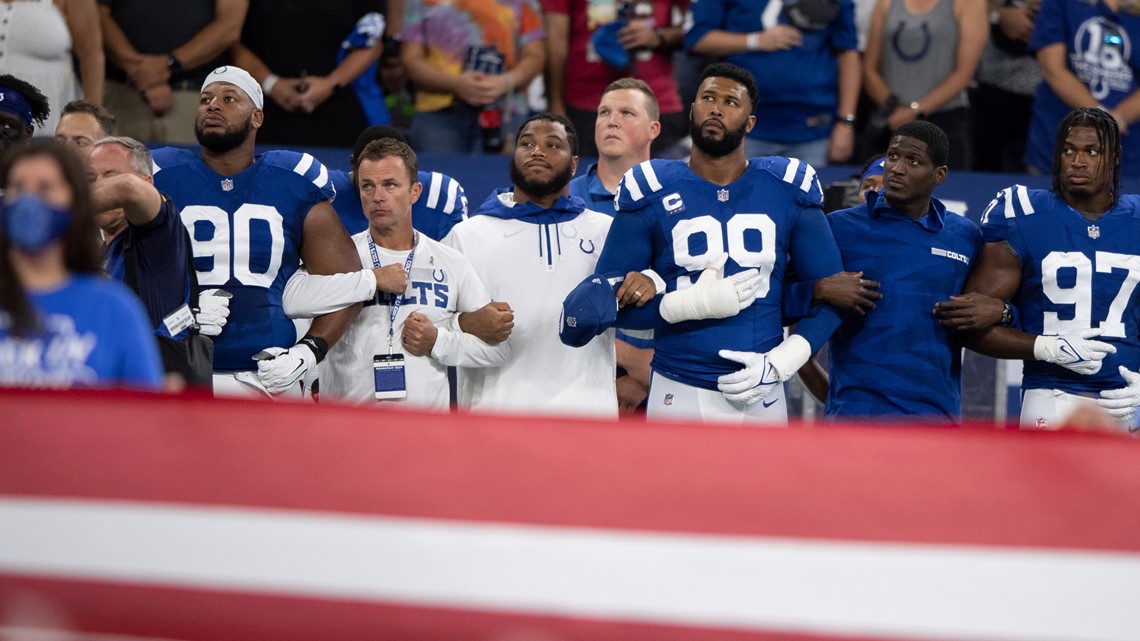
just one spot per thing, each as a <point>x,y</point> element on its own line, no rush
<point>639,185</point>
<point>795,173</point>
<point>305,166</point>
<point>443,193</point>
<point>167,157</point>
<point>1011,202</point>
<point>1131,200</point>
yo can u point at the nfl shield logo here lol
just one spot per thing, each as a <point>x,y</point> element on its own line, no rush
<point>722,195</point>
<point>227,185</point>
<point>1042,424</point>
<point>668,399</point>
<point>1094,232</point>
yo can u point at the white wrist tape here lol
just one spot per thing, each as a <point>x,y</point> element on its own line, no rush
<point>714,298</point>
<point>789,356</point>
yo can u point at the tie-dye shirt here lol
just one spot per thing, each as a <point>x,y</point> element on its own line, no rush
<point>447,27</point>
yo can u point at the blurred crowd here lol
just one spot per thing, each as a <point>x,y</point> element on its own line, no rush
<point>835,76</point>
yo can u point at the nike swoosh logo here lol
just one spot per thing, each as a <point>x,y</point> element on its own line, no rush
<point>766,404</point>
<point>1067,352</point>
<point>513,233</point>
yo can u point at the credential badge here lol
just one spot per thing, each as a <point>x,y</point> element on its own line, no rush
<point>1094,232</point>
<point>722,195</point>
<point>227,185</point>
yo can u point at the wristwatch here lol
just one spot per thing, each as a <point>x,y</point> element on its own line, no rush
<point>173,63</point>
<point>1006,314</point>
<point>917,109</point>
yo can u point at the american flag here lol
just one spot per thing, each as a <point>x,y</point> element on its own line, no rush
<point>126,516</point>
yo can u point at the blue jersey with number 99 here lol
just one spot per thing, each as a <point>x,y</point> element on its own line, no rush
<point>245,232</point>
<point>672,220</point>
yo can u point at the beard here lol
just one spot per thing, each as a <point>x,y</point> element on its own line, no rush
<point>713,147</point>
<point>220,143</point>
<point>541,188</point>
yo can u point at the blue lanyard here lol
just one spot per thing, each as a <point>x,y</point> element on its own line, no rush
<point>394,308</point>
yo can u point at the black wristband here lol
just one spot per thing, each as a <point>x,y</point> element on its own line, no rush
<point>318,345</point>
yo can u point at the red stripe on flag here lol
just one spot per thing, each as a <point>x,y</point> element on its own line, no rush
<point>193,615</point>
<point>969,486</point>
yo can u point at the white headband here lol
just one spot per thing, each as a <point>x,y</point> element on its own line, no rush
<point>239,78</point>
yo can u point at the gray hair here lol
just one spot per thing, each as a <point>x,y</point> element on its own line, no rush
<point>141,161</point>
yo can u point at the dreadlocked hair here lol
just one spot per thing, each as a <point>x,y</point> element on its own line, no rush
<point>1107,134</point>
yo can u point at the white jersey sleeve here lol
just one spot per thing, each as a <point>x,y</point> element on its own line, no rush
<point>455,348</point>
<point>307,295</point>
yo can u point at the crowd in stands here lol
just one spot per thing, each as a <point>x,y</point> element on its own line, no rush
<point>269,275</point>
<point>835,76</point>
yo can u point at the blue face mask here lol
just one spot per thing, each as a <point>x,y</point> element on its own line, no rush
<point>31,224</point>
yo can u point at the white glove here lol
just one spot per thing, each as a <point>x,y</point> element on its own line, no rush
<point>763,372</point>
<point>1074,351</point>
<point>279,369</point>
<point>713,295</point>
<point>213,311</point>
<point>1121,402</point>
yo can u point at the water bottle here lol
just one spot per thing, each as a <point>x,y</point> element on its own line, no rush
<point>489,60</point>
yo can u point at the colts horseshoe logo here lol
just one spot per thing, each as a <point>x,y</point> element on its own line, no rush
<point>582,246</point>
<point>921,53</point>
<point>440,278</point>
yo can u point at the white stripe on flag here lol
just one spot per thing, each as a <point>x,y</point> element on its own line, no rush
<point>888,590</point>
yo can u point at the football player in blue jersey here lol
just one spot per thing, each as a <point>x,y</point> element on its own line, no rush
<point>1068,260</point>
<point>442,205</point>
<point>252,220</point>
<point>721,353</point>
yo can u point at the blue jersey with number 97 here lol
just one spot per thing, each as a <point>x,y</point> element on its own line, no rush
<point>672,220</point>
<point>245,232</point>
<point>1076,274</point>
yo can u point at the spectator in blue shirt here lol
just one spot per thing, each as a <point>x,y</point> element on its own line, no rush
<point>807,68</point>
<point>62,324</point>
